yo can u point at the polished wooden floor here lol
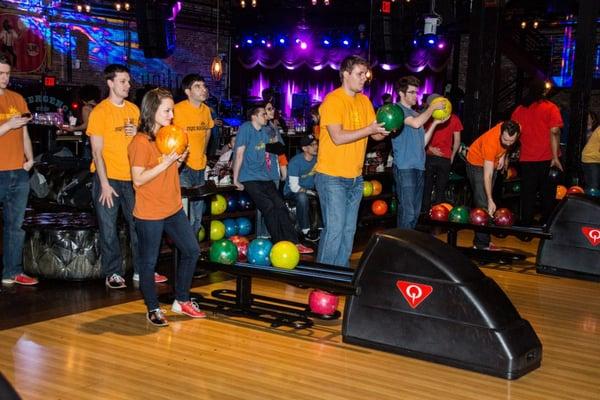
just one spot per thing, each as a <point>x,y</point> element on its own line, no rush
<point>112,353</point>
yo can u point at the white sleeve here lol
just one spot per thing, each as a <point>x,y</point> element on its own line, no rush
<point>294,184</point>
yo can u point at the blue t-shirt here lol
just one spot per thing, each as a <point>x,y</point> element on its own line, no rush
<point>304,170</point>
<point>254,166</point>
<point>409,145</point>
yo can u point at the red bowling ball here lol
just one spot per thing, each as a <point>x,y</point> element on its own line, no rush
<point>322,302</point>
<point>503,217</point>
<point>241,242</point>
<point>439,213</point>
<point>575,190</point>
<point>479,216</point>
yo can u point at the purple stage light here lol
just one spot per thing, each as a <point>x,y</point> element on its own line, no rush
<point>303,45</point>
<point>441,45</point>
<point>282,41</point>
<point>386,67</point>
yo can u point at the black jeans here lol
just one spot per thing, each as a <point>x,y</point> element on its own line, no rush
<point>475,175</point>
<point>534,178</point>
<point>271,205</point>
<point>437,172</point>
<point>591,173</point>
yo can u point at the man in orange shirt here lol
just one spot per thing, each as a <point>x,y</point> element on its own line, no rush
<point>111,127</point>
<point>487,155</point>
<point>347,120</point>
<point>193,115</point>
<point>16,159</point>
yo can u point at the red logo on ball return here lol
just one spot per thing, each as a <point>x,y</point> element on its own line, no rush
<point>414,293</point>
<point>591,234</point>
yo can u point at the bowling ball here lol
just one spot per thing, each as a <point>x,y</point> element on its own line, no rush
<point>561,191</point>
<point>322,302</point>
<point>393,205</point>
<point>244,201</point>
<point>201,233</point>
<point>379,207</point>
<point>377,187</point>
<point>284,254</point>
<point>575,190</point>
<point>241,242</point>
<point>171,138</point>
<point>223,251</point>
<point>217,230</point>
<point>218,205</point>
<point>511,172</point>
<point>479,216</point>
<point>448,206</point>
<point>445,112</point>
<point>592,192</point>
<point>232,202</point>
<point>516,187</point>
<point>244,225</point>
<point>392,117</point>
<point>439,213</point>
<point>367,188</point>
<point>231,227</point>
<point>459,214</point>
<point>259,251</point>
<point>554,174</point>
<point>503,217</point>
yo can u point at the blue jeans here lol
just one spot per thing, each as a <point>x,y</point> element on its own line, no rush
<point>302,209</point>
<point>340,199</point>
<point>189,177</point>
<point>150,234</point>
<point>110,248</point>
<point>14,190</point>
<point>409,189</point>
<point>591,173</point>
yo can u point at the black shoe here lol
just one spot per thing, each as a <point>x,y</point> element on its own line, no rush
<point>200,273</point>
<point>157,317</point>
<point>312,236</point>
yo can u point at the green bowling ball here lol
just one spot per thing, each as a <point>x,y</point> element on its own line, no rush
<point>516,187</point>
<point>459,214</point>
<point>223,251</point>
<point>201,233</point>
<point>393,206</point>
<point>392,116</point>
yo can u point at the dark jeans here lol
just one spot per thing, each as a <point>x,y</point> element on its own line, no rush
<point>271,205</point>
<point>150,234</point>
<point>305,207</point>
<point>475,175</point>
<point>14,190</point>
<point>409,189</point>
<point>189,177</point>
<point>534,178</point>
<point>437,172</point>
<point>110,249</point>
<point>591,173</point>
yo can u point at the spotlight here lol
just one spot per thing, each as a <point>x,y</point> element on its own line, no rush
<point>303,45</point>
<point>117,6</point>
<point>314,2</point>
<point>326,42</point>
<point>535,24</point>
<point>297,40</point>
<point>126,6</point>
<point>281,41</point>
<point>249,41</point>
<point>263,41</point>
<point>242,4</point>
<point>87,8</point>
<point>346,42</point>
<point>79,8</point>
<point>523,25</point>
<point>326,2</point>
<point>254,3</point>
<point>548,85</point>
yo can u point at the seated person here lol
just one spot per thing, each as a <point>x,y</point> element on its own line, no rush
<point>300,185</point>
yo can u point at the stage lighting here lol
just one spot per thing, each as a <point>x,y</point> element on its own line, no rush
<point>281,40</point>
<point>303,45</point>
<point>346,42</point>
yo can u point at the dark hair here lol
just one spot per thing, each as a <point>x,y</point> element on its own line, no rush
<point>512,128</point>
<point>4,60</point>
<point>406,81</point>
<point>254,109</point>
<point>112,70</point>
<point>89,92</point>
<point>386,97</point>
<point>189,79</point>
<point>535,92</point>
<point>150,104</point>
<point>349,63</point>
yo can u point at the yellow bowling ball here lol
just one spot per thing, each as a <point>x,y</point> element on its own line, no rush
<point>218,205</point>
<point>367,188</point>
<point>284,254</point>
<point>217,230</point>
<point>445,112</point>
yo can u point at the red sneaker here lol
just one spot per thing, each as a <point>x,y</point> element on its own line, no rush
<point>188,308</point>
<point>158,278</point>
<point>22,279</point>
<point>302,249</point>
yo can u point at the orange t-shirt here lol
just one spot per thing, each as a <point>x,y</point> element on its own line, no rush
<point>486,147</point>
<point>161,197</point>
<point>12,154</point>
<point>352,113</point>
<point>196,121</point>
<point>108,120</point>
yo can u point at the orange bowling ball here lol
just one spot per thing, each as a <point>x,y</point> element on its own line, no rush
<point>447,205</point>
<point>575,190</point>
<point>379,207</point>
<point>561,192</point>
<point>171,138</point>
<point>377,187</point>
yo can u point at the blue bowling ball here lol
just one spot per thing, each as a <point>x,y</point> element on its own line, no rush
<point>592,192</point>
<point>232,202</point>
<point>244,201</point>
<point>258,252</point>
<point>231,227</point>
<point>244,226</point>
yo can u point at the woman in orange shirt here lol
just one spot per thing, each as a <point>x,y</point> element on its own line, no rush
<point>158,208</point>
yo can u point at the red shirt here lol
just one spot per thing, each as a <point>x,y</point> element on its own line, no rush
<point>443,136</point>
<point>536,122</point>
